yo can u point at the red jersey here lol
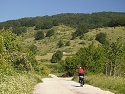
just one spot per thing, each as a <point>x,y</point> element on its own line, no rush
<point>81,70</point>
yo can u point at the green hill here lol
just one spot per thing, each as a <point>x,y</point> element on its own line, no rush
<point>72,32</point>
<point>64,33</point>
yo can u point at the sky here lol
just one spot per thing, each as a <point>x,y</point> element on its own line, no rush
<point>16,9</point>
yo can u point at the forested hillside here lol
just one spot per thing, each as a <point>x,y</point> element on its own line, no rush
<point>94,20</point>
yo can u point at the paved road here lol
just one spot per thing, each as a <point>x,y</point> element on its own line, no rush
<point>57,85</point>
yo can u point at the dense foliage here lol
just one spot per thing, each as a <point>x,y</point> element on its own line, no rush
<point>12,53</point>
<point>80,31</point>
<point>18,67</point>
<point>39,35</point>
<point>94,20</point>
<point>33,48</point>
<point>101,37</point>
<point>60,44</point>
<point>108,59</point>
<point>56,57</point>
<point>50,33</point>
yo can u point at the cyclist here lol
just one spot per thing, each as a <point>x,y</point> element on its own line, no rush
<point>81,74</point>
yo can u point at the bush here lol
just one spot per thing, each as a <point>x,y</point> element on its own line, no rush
<point>33,48</point>
<point>68,43</point>
<point>57,56</point>
<point>60,44</point>
<point>50,33</point>
<point>39,35</point>
<point>19,30</point>
<point>47,25</point>
<point>70,65</point>
<point>101,37</point>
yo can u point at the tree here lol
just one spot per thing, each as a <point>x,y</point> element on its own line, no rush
<point>38,26</point>
<point>101,37</point>
<point>1,45</point>
<point>68,43</point>
<point>70,65</point>
<point>9,39</point>
<point>57,56</point>
<point>91,58</point>
<point>55,23</point>
<point>50,33</point>
<point>39,35</point>
<point>33,48</point>
<point>19,30</point>
<point>82,29</point>
<point>60,44</point>
<point>47,25</point>
<point>115,55</point>
<point>20,58</point>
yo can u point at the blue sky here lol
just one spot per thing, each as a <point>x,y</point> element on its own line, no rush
<point>15,9</point>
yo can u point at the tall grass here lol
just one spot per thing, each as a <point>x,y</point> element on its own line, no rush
<point>116,85</point>
<point>15,82</point>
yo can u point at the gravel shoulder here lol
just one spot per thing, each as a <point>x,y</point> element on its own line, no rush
<point>56,85</point>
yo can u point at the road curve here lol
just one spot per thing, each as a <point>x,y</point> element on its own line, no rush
<point>57,85</point>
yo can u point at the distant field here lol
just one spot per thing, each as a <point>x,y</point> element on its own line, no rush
<point>48,56</point>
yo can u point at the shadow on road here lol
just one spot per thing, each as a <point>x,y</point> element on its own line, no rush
<point>76,85</point>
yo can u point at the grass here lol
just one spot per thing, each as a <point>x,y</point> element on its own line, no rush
<point>48,56</point>
<point>113,33</point>
<point>116,85</point>
<point>49,45</point>
<point>13,81</point>
<point>18,83</point>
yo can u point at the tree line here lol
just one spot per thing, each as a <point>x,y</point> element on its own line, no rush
<point>90,21</point>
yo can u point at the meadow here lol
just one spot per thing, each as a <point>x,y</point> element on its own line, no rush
<point>116,85</point>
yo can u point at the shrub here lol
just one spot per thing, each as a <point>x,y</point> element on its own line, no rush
<point>50,33</point>
<point>57,56</point>
<point>33,48</point>
<point>101,37</point>
<point>39,35</point>
<point>68,43</point>
<point>60,44</point>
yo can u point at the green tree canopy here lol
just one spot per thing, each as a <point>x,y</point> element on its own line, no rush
<point>60,44</point>
<point>101,37</point>
<point>39,35</point>
<point>50,33</point>
<point>56,57</point>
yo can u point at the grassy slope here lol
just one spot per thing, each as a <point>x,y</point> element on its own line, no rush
<point>49,45</point>
<point>116,85</point>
